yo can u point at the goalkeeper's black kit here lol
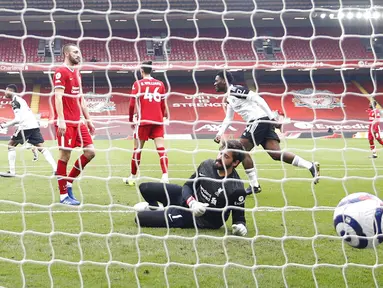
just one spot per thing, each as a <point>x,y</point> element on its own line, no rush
<point>224,195</point>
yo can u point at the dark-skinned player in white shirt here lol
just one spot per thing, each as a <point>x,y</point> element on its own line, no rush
<point>260,128</point>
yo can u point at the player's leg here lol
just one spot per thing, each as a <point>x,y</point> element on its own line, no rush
<point>249,167</point>
<point>47,155</point>
<point>65,144</point>
<point>35,138</point>
<point>140,137</point>
<point>35,153</point>
<point>377,134</point>
<point>83,140</point>
<point>170,218</point>
<point>17,138</point>
<point>155,193</point>
<point>274,150</point>
<point>11,159</point>
<point>372,143</point>
<point>61,173</point>
<point>135,162</point>
<point>157,134</point>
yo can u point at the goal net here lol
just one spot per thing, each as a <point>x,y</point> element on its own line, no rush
<point>317,65</point>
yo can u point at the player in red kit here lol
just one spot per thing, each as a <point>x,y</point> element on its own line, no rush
<point>71,132</point>
<point>374,129</point>
<point>149,102</point>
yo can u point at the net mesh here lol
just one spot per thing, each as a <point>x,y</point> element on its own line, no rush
<point>291,241</point>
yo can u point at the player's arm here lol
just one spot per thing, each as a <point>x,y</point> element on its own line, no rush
<point>237,202</point>
<point>188,196</point>
<point>85,113</point>
<point>59,93</point>
<point>59,84</point>
<point>16,120</point>
<point>226,122</point>
<point>164,106</point>
<point>132,102</point>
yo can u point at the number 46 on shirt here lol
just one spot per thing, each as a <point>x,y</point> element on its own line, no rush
<point>152,96</point>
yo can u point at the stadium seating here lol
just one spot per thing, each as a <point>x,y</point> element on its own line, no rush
<point>324,49</point>
<point>124,48</point>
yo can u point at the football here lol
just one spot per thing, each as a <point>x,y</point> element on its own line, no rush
<point>358,219</point>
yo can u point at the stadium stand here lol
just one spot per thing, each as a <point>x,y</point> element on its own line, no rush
<point>124,49</point>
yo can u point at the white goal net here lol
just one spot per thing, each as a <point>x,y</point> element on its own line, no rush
<point>317,65</point>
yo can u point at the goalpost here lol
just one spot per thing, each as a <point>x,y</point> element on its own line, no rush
<point>291,240</point>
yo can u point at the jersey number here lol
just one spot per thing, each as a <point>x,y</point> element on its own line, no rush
<point>155,96</point>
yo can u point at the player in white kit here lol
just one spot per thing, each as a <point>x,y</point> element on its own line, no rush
<point>28,131</point>
<point>260,128</point>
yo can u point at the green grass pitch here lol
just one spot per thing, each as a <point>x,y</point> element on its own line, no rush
<point>46,244</point>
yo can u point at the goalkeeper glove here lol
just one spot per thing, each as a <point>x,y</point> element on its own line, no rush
<point>239,229</point>
<point>198,208</point>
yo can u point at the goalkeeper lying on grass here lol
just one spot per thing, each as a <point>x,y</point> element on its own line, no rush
<point>210,195</point>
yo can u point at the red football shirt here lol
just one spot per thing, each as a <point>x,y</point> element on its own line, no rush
<point>373,114</point>
<point>70,81</point>
<point>150,96</point>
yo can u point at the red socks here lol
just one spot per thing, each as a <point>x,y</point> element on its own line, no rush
<point>79,165</point>
<point>61,176</point>
<point>136,159</point>
<point>164,162</point>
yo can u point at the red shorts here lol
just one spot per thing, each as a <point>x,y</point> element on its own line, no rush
<point>74,137</point>
<point>146,132</point>
<point>374,131</point>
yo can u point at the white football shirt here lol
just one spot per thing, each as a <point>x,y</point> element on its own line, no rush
<point>23,114</point>
<point>248,104</point>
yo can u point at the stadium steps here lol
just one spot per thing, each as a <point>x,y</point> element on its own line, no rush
<point>250,81</point>
<point>35,101</point>
<point>364,91</point>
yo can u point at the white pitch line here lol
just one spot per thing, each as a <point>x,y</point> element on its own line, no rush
<point>197,164</point>
<point>36,172</point>
<point>260,209</point>
<point>59,212</point>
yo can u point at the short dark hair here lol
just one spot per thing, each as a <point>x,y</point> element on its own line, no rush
<point>147,67</point>
<point>236,148</point>
<point>229,77</point>
<point>13,87</point>
<point>66,47</point>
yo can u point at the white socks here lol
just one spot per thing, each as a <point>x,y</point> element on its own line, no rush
<point>252,174</point>
<point>302,163</point>
<point>12,161</point>
<point>48,156</point>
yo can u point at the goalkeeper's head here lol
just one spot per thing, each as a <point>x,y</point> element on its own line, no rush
<point>223,80</point>
<point>230,155</point>
<point>146,68</point>
<point>10,91</point>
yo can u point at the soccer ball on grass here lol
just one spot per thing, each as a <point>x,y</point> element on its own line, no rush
<point>358,219</point>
